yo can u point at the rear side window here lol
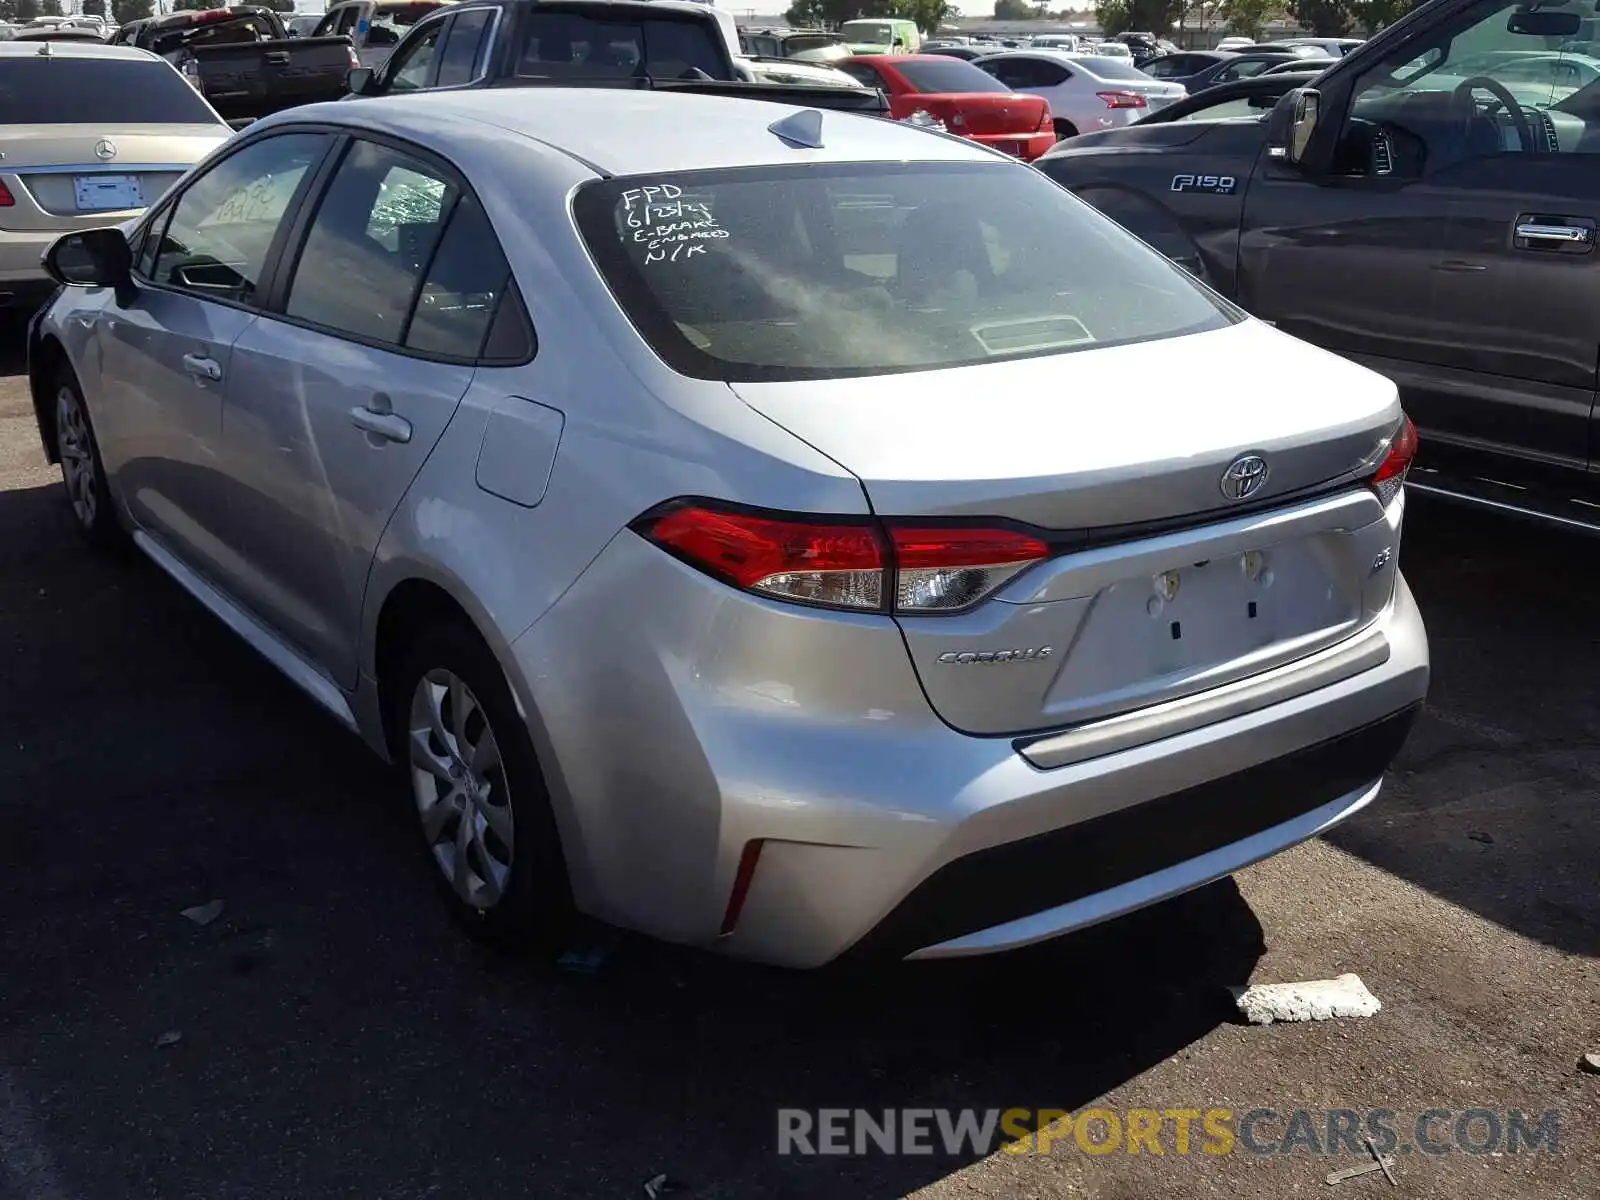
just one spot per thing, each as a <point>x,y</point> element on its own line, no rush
<point>97,91</point>
<point>821,271</point>
<point>572,46</point>
<point>369,244</point>
<point>951,76</point>
<point>463,288</point>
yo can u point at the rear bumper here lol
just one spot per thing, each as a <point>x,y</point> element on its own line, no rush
<point>1027,146</point>
<point>676,732</point>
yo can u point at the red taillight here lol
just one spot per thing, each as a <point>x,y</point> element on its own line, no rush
<point>1390,476</point>
<point>206,16</point>
<point>1047,122</point>
<point>6,198</point>
<point>856,564</point>
<point>1122,99</point>
<point>840,565</point>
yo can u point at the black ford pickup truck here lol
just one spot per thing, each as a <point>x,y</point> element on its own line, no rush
<point>243,60</point>
<point>1427,206</point>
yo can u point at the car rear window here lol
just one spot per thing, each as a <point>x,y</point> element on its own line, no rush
<point>949,77</point>
<point>570,46</point>
<point>1109,68</point>
<point>97,91</point>
<point>830,270</point>
<point>814,41</point>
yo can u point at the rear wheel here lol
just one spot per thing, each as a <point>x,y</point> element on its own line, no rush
<point>478,794</point>
<point>1064,130</point>
<point>82,470</point>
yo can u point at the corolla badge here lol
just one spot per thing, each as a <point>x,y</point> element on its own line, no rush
<point>105,148</point>
<point>1245,476</point>
<point>964,657</point>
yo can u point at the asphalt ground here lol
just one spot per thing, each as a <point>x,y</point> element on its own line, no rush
<point>337,1037</point>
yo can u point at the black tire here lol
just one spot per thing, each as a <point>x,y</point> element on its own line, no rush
<point>1064,130</point>
<point>88,496</point>
<point>533,909</point>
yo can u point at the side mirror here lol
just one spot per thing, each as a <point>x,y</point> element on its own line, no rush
<point>92,258</point>
<point>358,80</point>
<point>1289,128</point>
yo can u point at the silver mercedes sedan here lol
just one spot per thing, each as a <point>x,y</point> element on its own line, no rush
<point>777,531</point>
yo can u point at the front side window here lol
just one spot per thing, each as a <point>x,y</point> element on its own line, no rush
<point>369,244</point>
<point>860,269</point>
<point>414,65</point>
<point>223,225</point>
<point>1501,78</point>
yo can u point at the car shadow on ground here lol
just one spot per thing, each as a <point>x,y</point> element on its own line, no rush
<point>1491,803</point>
<point>336,1033</point>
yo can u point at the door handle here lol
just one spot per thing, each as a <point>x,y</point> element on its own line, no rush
<point>277,57</point>
<point>386,425</point>
<point>1563,235</point>
<point>202,367</point>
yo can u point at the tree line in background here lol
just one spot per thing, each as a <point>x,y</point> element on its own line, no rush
<point>830,14</point>
<point>1247,18</point>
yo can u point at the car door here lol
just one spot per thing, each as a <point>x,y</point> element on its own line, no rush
<point>166,354</point>
<point>1456,254</point>
<point>338,395</point>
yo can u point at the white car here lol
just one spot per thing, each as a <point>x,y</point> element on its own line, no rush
<point>1235,43</point>
<point>1114,50</point>
<point>1087,92</point>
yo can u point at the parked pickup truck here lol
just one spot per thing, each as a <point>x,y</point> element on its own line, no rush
<point>375,27</point>
<point>1427,207</point>
<point>662,44</point>
<point>243,60</point>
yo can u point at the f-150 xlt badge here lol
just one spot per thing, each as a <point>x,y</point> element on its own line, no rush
<point>1216,185</point>
<point>963,657</point>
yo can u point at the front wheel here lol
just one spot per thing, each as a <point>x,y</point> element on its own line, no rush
<point>82,470</point>
<point>478,793</point>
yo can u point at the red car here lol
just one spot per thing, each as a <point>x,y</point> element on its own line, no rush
<point>970,102</point>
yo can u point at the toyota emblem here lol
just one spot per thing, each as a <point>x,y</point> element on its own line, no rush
<point>105,148</point>
<point>1245,476</point>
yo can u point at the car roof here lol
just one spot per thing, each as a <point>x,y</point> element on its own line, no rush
<point>72,48</point>
<point>624,131</point>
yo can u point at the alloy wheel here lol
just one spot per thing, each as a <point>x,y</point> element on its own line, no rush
<point>459,784</point>
<point>77,456</point>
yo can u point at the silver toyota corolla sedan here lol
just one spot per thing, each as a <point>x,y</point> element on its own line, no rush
<point>786,532</point>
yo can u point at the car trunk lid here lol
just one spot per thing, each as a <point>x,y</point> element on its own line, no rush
<point>1162,585</point>
<point>986,112</point>
<point>71,176</point>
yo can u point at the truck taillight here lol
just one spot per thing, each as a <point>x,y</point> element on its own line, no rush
<point>1390,476</point>
<point>351,57</point>
<point>857,564</point>
<point>1122,99</point>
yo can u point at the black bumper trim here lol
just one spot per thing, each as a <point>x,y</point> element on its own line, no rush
<point>1003,883</point>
